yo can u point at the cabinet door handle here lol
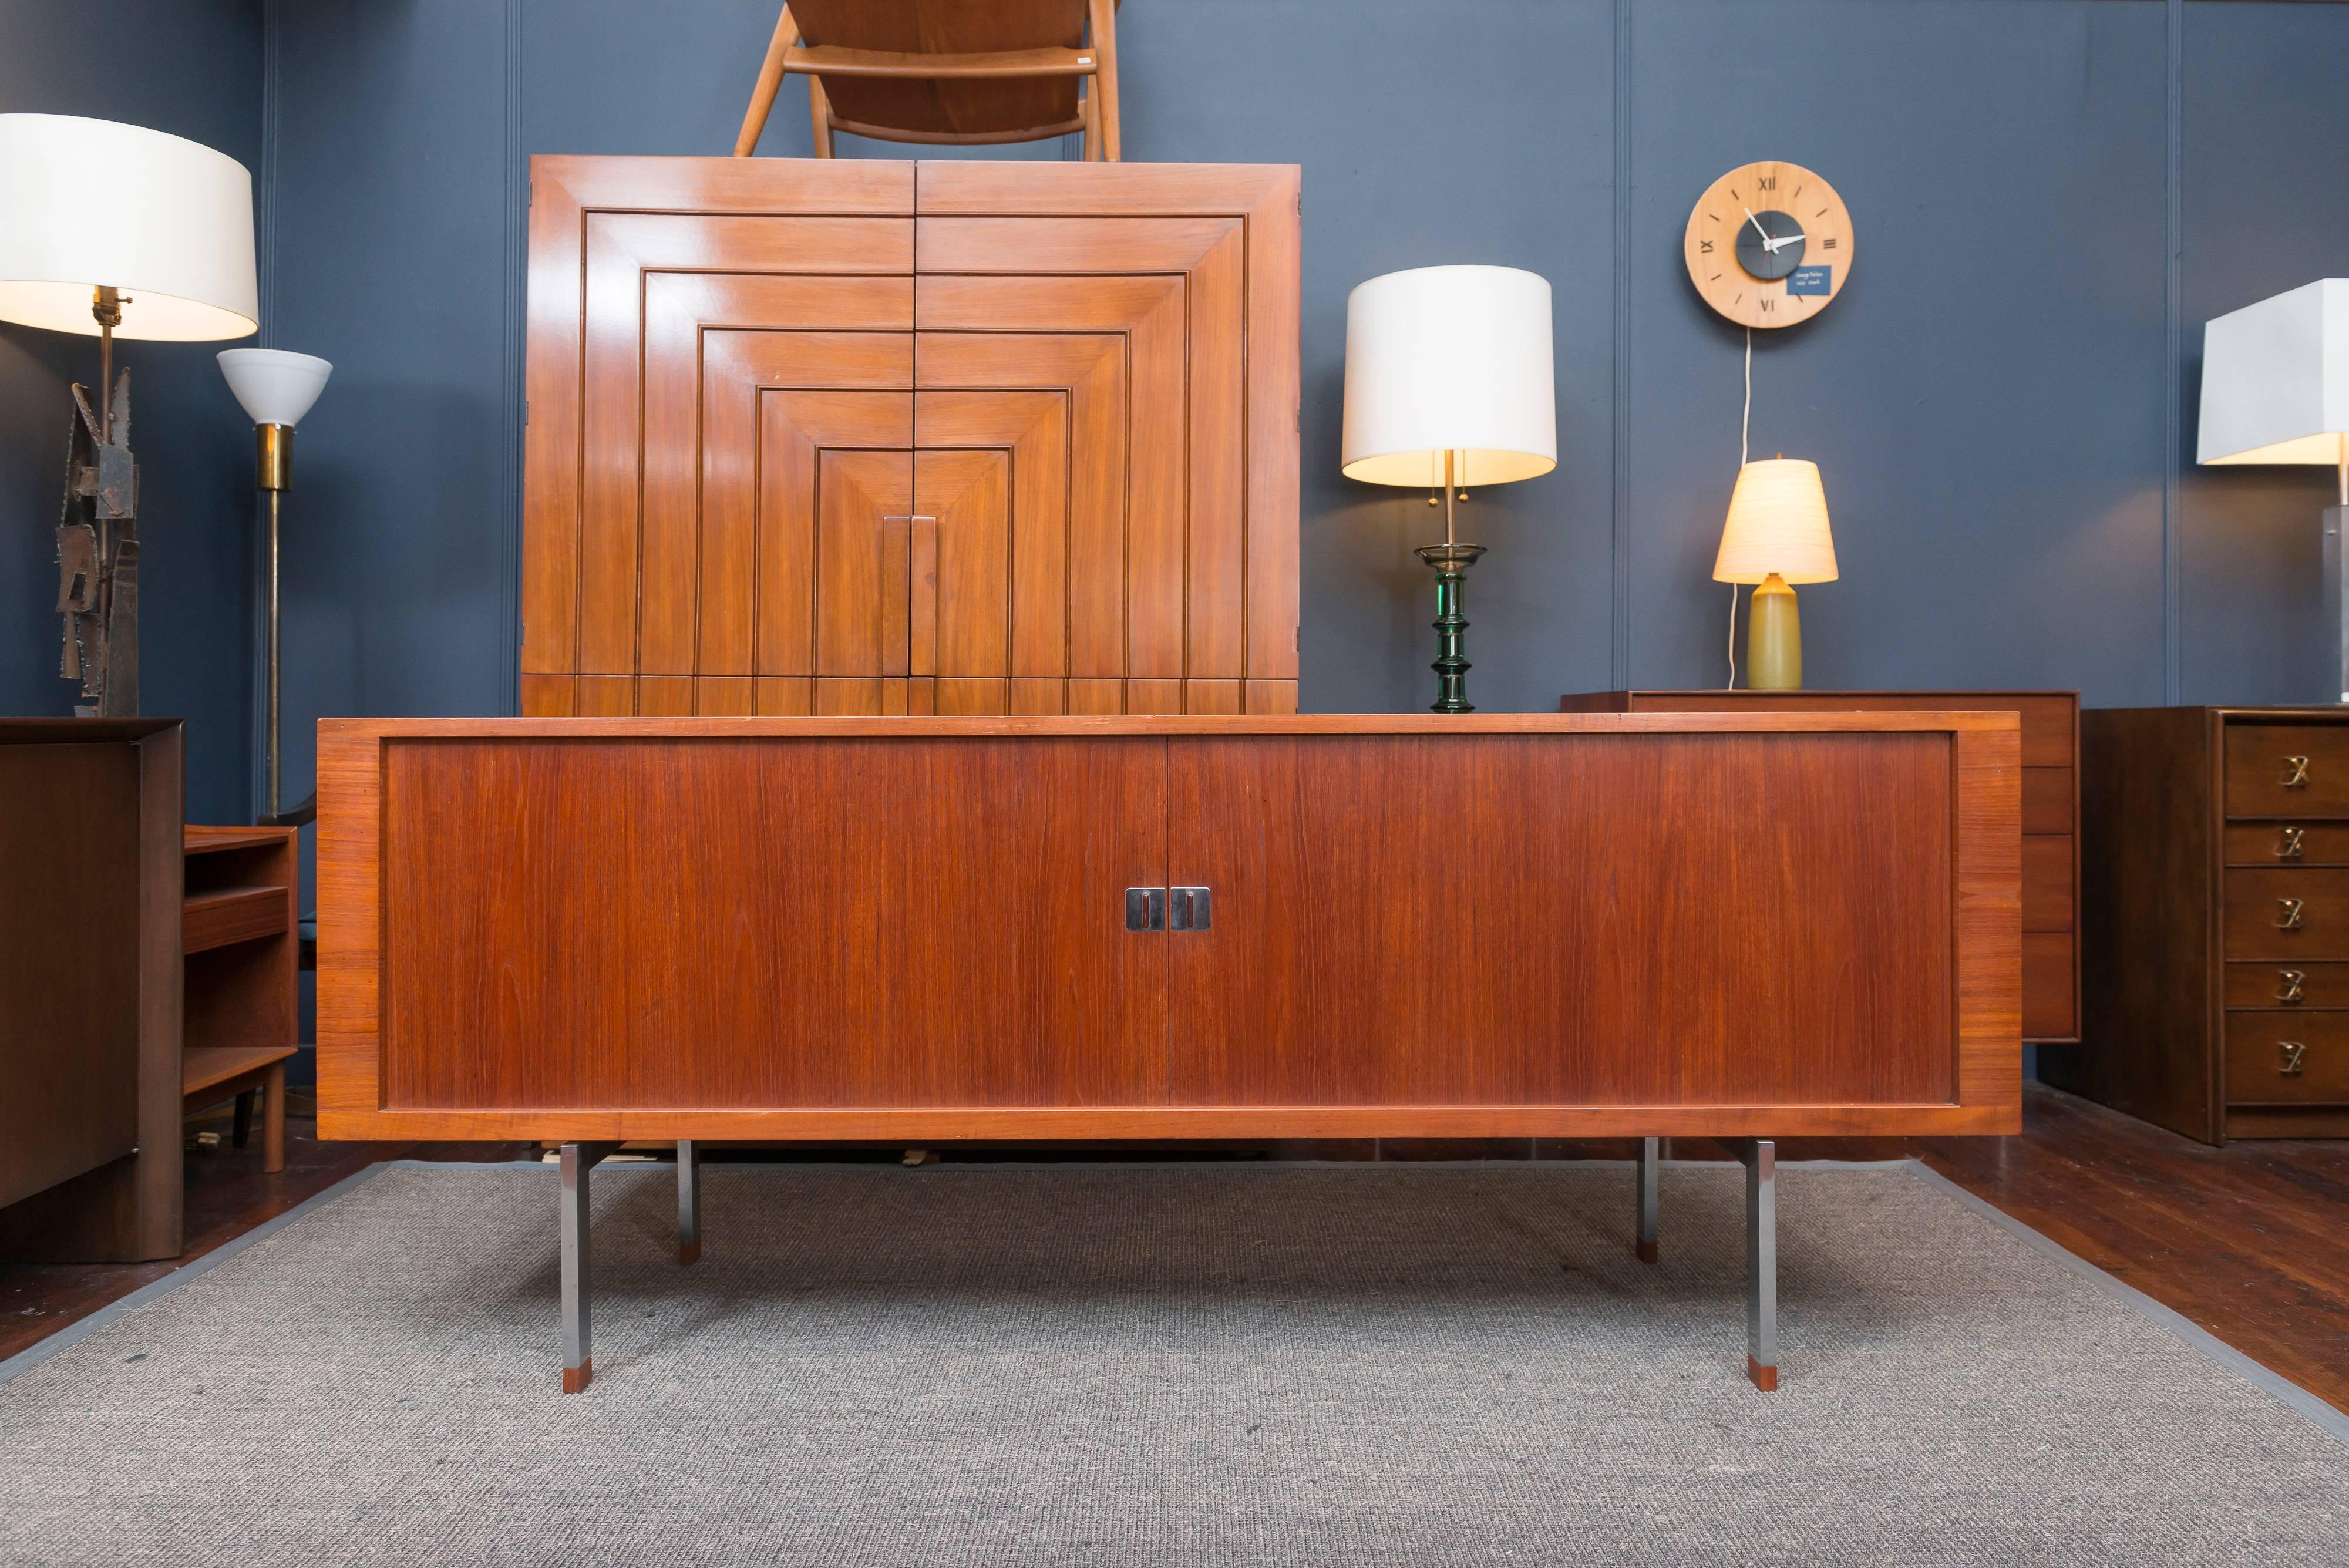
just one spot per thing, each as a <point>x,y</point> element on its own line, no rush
<point>2288,845</point>
<point>2288,914</point>
<point>2295,773</point>
<point>1190,908</point>
<point>2288,983</point>
<point>1145,908</point>
<point>2294,1054</point>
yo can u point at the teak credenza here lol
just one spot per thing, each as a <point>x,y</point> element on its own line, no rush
<point>1731,924</point>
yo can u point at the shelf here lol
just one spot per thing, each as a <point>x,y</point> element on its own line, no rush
<point>204,1066</point>
<point>196,840</point>
<point>228,915</point>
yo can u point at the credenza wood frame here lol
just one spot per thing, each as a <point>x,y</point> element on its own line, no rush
<point>1985,965</point>
<point>556,678</point>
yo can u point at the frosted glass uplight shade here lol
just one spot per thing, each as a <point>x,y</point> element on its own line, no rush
<point>1778,523</point>
<point>86,204</point>
<point>1449,359</point>
<point>275,386</point>
<point>2275,378</point>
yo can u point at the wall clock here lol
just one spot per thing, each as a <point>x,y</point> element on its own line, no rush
<point>1769,245</point>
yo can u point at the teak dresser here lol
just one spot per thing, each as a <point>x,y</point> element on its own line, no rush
<point>2217,915</point>
<point>1741,926</point>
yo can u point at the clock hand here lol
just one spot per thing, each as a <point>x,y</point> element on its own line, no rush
<point>1783,240</point>
<point>1767,241</point>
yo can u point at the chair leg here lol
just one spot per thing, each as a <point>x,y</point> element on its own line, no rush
<point>242,1126</point>
<point>273,1120</point>
<point>1102,17</point>
<point>819,115</point>
<point>771,80</point>
<point>1645,1249</point>
<point>578,1325</point>
<point>1089,110</point>
<point>688,1201</point>
<point>1761,1158</point>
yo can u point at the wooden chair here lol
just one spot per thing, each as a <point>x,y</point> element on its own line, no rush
<point>965,72</point>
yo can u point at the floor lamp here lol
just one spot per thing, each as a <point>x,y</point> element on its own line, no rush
<point>2275,389</point>
<point>1448,384</point>
<point>116,231</point>
<point>276,389</point>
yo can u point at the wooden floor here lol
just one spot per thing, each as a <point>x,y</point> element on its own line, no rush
<point>2252,1242</point>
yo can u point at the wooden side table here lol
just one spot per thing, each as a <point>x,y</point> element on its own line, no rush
<point>2051,814</point>
<point>2215,900</point>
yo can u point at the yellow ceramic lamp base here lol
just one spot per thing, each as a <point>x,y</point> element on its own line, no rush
<point>1774,638</point>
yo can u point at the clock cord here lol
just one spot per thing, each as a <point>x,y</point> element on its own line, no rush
<point>1744,442</point>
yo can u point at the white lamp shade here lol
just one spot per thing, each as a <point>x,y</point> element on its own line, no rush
<point>2275,378</point>
<point>1449,359</point>
<point>86,204</point>
<point>1778,523</point>
<point>275,386</point>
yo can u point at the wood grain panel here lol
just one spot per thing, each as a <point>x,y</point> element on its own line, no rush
<point>966,697</point>
<point>678,972</point>
<point>1270,696</point>
<point>1082,245</point>
<point>606,696</point>
<point>1089,369</point>
<point>859,698</point>
<point>618,554</point>
<point>663,696</point>
<point>2261,763</point>
<point>1095,697</point>
<point>861,565</point>
<point>2051,1008</point>
<point>726,696</point>
<point>1032,696</point>
<point>2261,925</point>
<point>2049,718</point>
<point>1154,696</point>
<point>2051,800</point>
<point>1636,958</point>
<point>784,696</point>
<point>1215,635</point>
<point>548,696</point>
<point>1211,696</point>
<point>1003,527</point>
<point>2047,860</point>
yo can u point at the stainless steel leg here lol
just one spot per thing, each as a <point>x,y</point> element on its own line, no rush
<point>1646,1249</point>
<point>1761,1158</point>
<point>578,1362</point>
<point>688,1201</point>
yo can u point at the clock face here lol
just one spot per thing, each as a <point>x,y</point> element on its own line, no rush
<point>1769,245</point>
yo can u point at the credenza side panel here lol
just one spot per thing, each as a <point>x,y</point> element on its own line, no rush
<point>1643,919</point>
<point>730,925</point>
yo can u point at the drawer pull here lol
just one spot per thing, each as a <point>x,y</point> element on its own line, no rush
<point>2295,773</point>
<point>2288,845</point>
<point>2288,914</point>
<point>2294,1054</point>
<point>2289,982</point>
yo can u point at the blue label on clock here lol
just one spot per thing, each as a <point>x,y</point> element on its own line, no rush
<point>1811,280</point>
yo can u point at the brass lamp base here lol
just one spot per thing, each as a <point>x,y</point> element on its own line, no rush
<point>1774,638</point>
<point>1451,563</point>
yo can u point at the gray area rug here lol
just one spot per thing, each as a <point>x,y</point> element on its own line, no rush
<point>973,1364</point>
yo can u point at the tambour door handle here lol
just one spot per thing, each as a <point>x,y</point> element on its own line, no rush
<point>2287,843</point>
<point>2289,982</point>
<point>2295,773</point>
<point>2295,1055</point>
<point>2288,914</point>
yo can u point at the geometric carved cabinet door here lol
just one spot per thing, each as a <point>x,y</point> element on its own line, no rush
<point>850,437</point>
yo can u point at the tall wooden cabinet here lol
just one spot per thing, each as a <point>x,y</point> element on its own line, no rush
<point>834,437</point>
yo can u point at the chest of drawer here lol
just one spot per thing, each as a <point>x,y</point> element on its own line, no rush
<point>2282,1058</point>
<point>2287,769</point>
<point>2287,916</point>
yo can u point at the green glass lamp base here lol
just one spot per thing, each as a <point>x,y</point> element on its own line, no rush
<point>1774,638</point>
<point>1451,563</point>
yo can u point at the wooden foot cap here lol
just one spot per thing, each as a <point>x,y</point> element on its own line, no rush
<point>689,1252</point>
<point>1645,1250</point>
<point>1765,1378</point>
<point>576,1378</point>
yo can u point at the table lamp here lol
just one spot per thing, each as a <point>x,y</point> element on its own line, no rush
<point>2275,389</point>
<point>113,230</point>
<point>1448,383</point>
<point>276,389</point>
<point>1776,536</point>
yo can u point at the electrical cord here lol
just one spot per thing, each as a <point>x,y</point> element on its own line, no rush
<point>1745,441</point>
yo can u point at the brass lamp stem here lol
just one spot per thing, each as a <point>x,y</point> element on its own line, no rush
<point>274,462</point>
